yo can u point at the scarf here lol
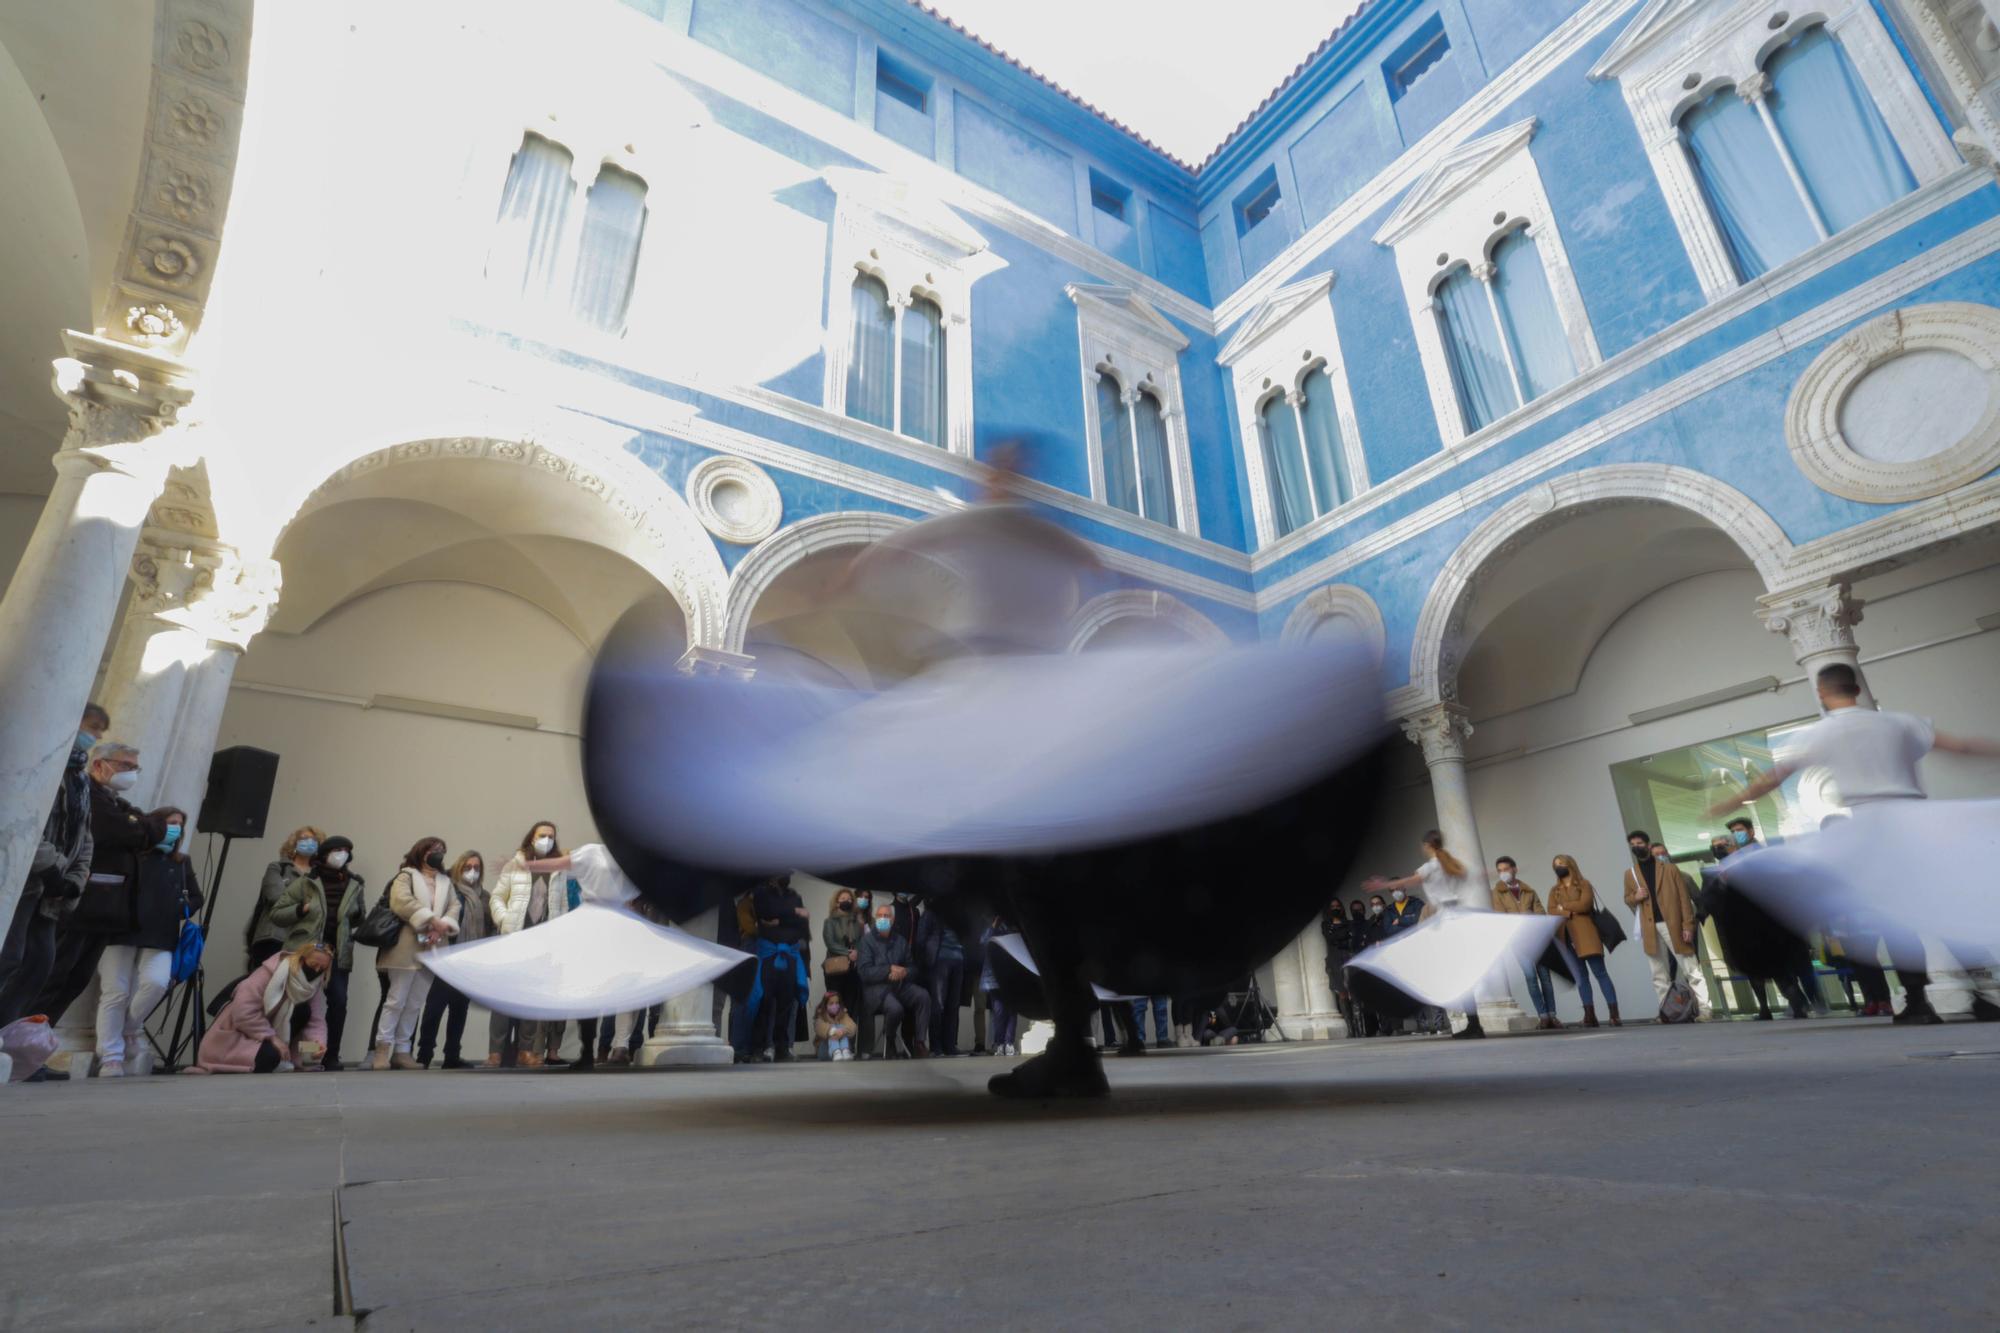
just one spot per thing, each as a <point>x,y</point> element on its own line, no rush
<point>290,986</point>
<point>436,896</point>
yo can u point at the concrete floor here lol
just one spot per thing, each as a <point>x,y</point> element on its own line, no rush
<point>1750,1175</point>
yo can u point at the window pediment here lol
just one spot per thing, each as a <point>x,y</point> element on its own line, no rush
<point>1285,304</point>
<point>1452,176</point>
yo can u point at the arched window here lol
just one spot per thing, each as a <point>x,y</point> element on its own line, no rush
<point>1810,158</point>
<point>1542,358</point>
<point>1115,445</point>
<point>1284,464</point>
<point>1479,369</point>
<point>614,220</point>
<point>534,209</point>
<point>871,370</point>
<point>923,381</point>
<point>1326,451</point>
<point>1156,485</point>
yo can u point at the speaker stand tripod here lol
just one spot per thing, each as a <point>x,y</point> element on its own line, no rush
<point>194,994</point>
<point>1253,1003</point>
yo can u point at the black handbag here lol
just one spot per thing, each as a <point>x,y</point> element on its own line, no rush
<point>1608,929</point>
<point>379,929</point>
<point>109,906</point>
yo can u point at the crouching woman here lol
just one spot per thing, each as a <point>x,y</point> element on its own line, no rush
<point>253,1035</point>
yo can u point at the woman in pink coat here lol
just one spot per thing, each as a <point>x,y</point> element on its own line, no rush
<point>251,1036</point>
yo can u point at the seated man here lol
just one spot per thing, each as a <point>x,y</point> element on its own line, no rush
<point>886,989</point>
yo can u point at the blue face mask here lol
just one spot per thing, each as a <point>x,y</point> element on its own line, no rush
<point>307,846</point>
<point>166,844</point>
<point>1742,837</point>
<point>882,924</point>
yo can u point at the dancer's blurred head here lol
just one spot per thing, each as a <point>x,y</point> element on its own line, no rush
<point>1837,685</point>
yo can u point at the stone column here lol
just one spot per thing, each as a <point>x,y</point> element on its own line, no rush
<point>1819,623</point>
<point>59,608</point>
<point>1441,731</point>
<point>1300,991</point>
<point>686,1034</point>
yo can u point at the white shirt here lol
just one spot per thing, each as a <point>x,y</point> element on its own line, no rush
<point>1873,755</point>
<point>599,877</point>
<point>1442,890</point>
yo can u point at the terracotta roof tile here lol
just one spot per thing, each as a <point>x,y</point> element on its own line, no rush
<point>1289,80</point>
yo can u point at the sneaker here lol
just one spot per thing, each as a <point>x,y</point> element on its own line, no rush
<point>621,1058</point>
<point>111,1069</point>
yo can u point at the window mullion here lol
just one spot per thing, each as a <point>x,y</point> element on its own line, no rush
<point>1297,400</point>
<point>1756,91</point>
<point>897,305</point>
<point>1129,401</point>
<point>1486,273</point>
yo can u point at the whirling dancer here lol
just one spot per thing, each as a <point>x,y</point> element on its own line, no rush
<point>1894,837</point>
<point>1156,822</point>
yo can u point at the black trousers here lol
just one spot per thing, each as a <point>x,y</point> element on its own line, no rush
<point>336,1010</point>
<point>897,1001</point>
<point>777,1008</point>
<point>27,957</point>
<point>946,983</point>
<point>75,964</point>
<point>442,1002</point>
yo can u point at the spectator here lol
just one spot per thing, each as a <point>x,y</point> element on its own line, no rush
<point>941,965</point>
<point>1573,899</point>
<point>120,833</point>
<point>833,1028</point>
<point>346,895</point>
<point>253,1034</point>
<point>521,899</point>
<point>445,1000</point>
<point>1338,932</point>
<point>1403,911</point>
<point>262,937</point>
<point>1664,906</point>
<point>782,982</point>
<point>1513,897</point>
<point>840,934</point>
<point>1001,1021</point>
<point>1216,1030</point>
<point>887,988</point>
<point>1753,944</point>
<point>55,880</point>
<point>136,968</point>
<point>420,894</point>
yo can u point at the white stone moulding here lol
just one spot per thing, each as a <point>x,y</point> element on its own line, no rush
<point>1941,414</point>
<point>1471,199</point>
<point>1675,53</point>
<point>918,249</point>
<point>1142,604</point>
<point>734,499</point>
<point>778,552</point>
<point>1289,337</point>
<point>1118,333</point>
<point>1335,603</point>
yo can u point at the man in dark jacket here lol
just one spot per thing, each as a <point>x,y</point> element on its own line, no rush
<point>120,832</point>
<point>886,985</point>
<point>782,983</point>
<point>55,881</point>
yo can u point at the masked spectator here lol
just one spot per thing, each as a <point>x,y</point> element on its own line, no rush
<point>296,854</point>
<point>1002,1022</point>
<point>445,1001</point>
<point>782,982</point>
<point>136,968</point>
<point>840,935</point>
<point>834,1029</point>
<point>55,881</point>
<point>520,900</point>
<point>420,894</point>
<point>1664,907</point>
<point>887,987</point>
<point>1573,899</point>
<point>1513,897</point>
<point>253,1034</point>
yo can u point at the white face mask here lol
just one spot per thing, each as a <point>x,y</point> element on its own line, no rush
<point>472,874</point>
<point>544,845</point>
<point>336,859</point>
<point>122,781</point>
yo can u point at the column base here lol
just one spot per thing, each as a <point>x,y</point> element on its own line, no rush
<point>1312,1027</point>
<point>1506,1018</point>
<point>677,1050</point>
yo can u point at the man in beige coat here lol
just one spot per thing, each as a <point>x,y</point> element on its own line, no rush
<point>1659,892</point>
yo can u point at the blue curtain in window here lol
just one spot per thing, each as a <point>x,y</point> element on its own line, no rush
<point>614,219</point>
<point>1472,346</point>
<point>1114,442</point>
<point>1156,486</point>
<point>1760,215</point>
<point>1284,465</point>
<point>871,369</point>
<point>1528,308</point>
<point>923,372</point>
<point>1849,160</point>
<point>1325,454</point>
<point>528,232</point>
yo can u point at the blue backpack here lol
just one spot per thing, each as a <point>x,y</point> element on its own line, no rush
<point>187,949</point>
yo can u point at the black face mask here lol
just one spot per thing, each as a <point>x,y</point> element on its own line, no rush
<point>1639,853</point>
<point>1562,872</point>
<point>434,859</point>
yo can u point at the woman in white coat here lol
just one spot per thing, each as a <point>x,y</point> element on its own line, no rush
<point>521,898</point>
<point>421,893</point>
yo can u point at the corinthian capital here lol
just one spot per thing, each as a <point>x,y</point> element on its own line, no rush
<point>1440,731</point>
<point>117,393</point>
<point>1816,620</point>
<point>209,590</point>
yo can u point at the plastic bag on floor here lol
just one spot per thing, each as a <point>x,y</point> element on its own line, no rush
<point>29,1042</point>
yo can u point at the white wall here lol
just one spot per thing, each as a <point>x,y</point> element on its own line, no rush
<point>386,778</point>
<point>1692,637</point>
<point>18,514</point>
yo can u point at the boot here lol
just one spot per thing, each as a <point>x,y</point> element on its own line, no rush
<point>1590,1015</point>
<point>402,1060</point>
<point>1615,1022</point>
<point>1067,1071</point>
<point>1917,1011</point>
<point>380,1060</point>
<point>1984,1010</point>
<point>1473,1029</point>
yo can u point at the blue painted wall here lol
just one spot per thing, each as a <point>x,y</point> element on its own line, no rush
<point>799,47</point>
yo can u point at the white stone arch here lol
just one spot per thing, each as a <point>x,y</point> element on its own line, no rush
<point>1337,601</point>
<point>1142,604</point>
<point>646,520</point>
<point>1434,648</point>
<point>785,548</point>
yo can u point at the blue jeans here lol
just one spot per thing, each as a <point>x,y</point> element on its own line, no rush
<point>1162,1008</point>
<point>1541,988</point>
<point>1583,978</point>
